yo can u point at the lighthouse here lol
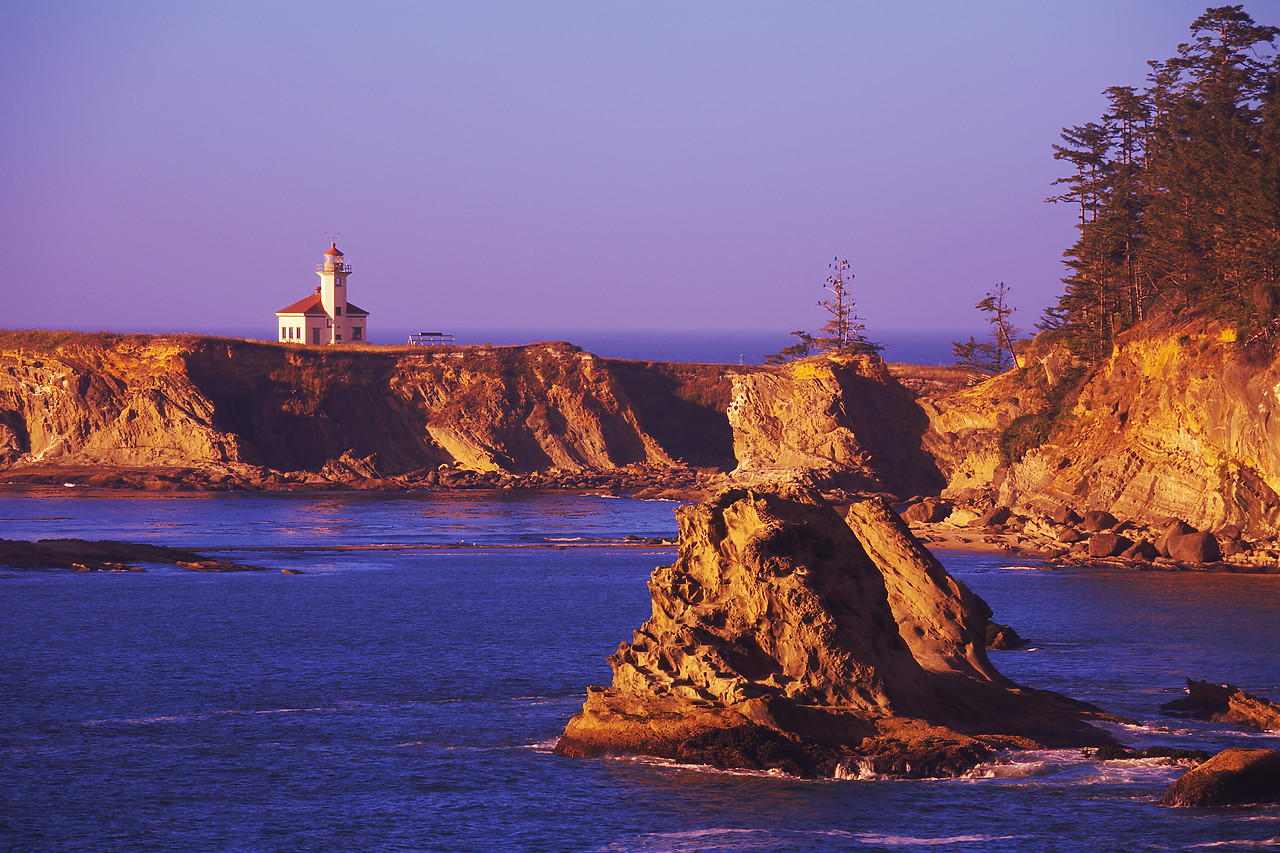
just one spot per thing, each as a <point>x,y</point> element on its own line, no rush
<point>325,317</point>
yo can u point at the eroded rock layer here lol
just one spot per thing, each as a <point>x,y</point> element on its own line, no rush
<point>239,410</point>
<point>174,411</point>
<point>786,636</point>
<point>1178,423</point>
<point>835,422</point>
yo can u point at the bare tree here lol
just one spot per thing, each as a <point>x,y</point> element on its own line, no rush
<point>844,331</point>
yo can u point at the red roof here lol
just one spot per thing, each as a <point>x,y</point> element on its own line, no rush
<point>333,250</point>
<point>313,305</point>
<point>359,312</point>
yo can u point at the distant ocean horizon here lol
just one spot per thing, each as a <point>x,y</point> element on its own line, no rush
<point>749,346</point>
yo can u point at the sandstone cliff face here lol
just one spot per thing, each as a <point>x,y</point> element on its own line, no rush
<point>941,621</point>
<point>837,422</point>
<point>1177,424</point>
<point>214,410</point>
<point>965,426</point>
<point>513,409</point>
<point>849,646</point>
<point>129,404</point>
<point>234,406</point>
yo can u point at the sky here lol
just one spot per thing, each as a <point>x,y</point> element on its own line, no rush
<point>547,166</point>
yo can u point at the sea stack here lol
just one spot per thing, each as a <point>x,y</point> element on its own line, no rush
<point>788,637</point>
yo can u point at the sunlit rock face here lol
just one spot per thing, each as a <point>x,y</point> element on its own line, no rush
<point>835,422</point>
<point>1233,777</point>
<point>844,640</point>
<point>1177,423</point>
<point>241,408</point>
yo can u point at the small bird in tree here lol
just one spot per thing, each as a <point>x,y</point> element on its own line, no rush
<point>844,331</point>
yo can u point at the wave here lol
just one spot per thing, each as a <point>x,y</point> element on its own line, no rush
<point>917,841</point>
<point>739,839</point>
<point>231,712</point>
<point>1072,767</point>
<point>670,764</point>
<point>1265,842</point>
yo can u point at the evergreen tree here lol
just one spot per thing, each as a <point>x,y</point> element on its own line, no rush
<point>1179,189</point>
<point>994,356</point>
<point>844,330</point>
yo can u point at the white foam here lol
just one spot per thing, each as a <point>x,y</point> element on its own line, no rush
<point>1264,842</point>
<point>915,841</point>
<point>668,764</point>
<point>859,771</point>
<point>727,838</point>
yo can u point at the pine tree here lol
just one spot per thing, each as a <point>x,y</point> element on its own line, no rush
<point>996,355</point>
<point>845,330</point>
<point>1179,189</point>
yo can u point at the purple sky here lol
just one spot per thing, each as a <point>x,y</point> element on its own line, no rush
<point>548,166</point>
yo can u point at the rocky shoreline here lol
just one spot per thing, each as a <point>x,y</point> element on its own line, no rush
<point>1093,539</point>
<point>643,481</point>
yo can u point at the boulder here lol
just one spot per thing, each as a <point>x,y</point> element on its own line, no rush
<point>1199,547</point>
<point>1096,520</point>
<point>927,511</point>
<point>1233,777</point>
<point>1143,550</point>
<point>1069,535</point>
<point>1108,545</point>
<point>1175,528</point>
<point>1002,637</point>
<point>1230,547</point>
<point>788,637</point>
<point>961,516</point>
<point>993,517</point>
<point>1066,515</point>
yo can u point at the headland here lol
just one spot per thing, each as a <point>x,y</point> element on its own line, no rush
<point>1174,430</point>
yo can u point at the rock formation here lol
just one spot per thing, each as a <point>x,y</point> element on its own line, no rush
<point>835,422</point>
<point>1180,423</point>
<point>786,636</point>
<point>1226,704</point>
<point>81,555</point>
<point>1233,777</point>
<point>210,410</point>
<point>178,411</point>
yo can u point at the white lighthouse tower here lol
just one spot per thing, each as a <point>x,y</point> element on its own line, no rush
<point>325,317</point>
<point>333,292</point>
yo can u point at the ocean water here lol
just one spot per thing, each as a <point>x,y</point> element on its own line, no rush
<point>405,692</point>
<point>713,346</point>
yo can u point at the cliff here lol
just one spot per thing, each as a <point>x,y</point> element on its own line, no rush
<point>183,411</point>
<point>836,422</point>
<point>1180,422</point>
<point>786,636</point>
<point>239,409</point>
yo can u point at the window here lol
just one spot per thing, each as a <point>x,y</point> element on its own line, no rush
<point>357,333</point>
<point>338,310</point>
